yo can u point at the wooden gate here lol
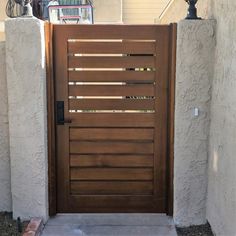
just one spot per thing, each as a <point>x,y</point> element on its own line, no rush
<point>112,102</point>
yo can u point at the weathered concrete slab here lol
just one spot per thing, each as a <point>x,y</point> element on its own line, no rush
<point>110,224</point>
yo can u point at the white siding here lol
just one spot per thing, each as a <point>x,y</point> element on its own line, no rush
<point>142,12</point>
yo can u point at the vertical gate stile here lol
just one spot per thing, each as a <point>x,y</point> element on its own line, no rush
<point>161,110</point>
<point>61,65</point>
<point>171,114</point>
<point>51,120</point>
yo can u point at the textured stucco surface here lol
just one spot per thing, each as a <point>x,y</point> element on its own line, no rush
<point>26,81</point>
<point>221,200</point>
<point>195,48</point>
<point>5,173</point>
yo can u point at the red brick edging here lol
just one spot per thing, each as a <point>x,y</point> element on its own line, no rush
<point>34,227</point>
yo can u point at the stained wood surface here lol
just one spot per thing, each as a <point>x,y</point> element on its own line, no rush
<point>140,134</point>
<point>112,90</point>
<point>112,187</point>
<point>111,76</point>
<point>111,174</point>
<point>113,119</point>
<point>115,203</point>
<point>118,147</point>
<point>112,156</point>
<point>111,104</point>
<point>117,160</point>
<point>111,62</point>
<point>111,47</point>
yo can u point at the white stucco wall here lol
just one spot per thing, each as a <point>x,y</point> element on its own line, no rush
<point>221,200</point>
<point>5,173</point>
<point>195,50</point>
<point>26,82</point>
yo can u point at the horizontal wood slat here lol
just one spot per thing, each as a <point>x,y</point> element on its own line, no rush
<point>112,120</point>
<point>111,174</point>
<point>112,187</point>
<point>111,62</point>
<point>111,104</point>
<point>111,76</point>
<point>110,147</point>
<point>111,134</point>
<point>136,32</point>
<point>116,204</point>
<point>111,90</point>
<point>132,47</point>
<point>111,160</point>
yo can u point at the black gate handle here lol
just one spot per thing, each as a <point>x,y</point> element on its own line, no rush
<point>60,114</point>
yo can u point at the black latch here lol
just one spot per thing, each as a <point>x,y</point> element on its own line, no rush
<point>60,113</point>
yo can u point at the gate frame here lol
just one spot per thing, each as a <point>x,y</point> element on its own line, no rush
<point>52,198</point>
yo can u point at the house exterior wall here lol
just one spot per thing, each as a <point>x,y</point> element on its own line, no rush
<point>26,83</point>
<point>107,11</point>
<point>142,12</point>
<point>5,173</point>
<point>2,18</point>
<point>221,197</point>
<point>194,67</point>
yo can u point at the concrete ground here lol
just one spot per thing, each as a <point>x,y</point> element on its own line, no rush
<point>110,225</point>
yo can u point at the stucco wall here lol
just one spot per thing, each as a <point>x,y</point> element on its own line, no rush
<point>26,82</point>
<point>5,186</point>
<point>195,48</point>
<point>221,200</point>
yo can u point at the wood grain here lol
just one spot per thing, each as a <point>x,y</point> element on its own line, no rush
<point>112,119</point>
<point>112,90</point>
<point>112,62</point>
<point>101,160</point>
<point>114,161</point>
<point>84,147</point>
<point>111,104</point>
<point>112,187</point>
<point>112,76</point>
<point>111,174</point>
<point>140,134</point>
<point>131,47</point>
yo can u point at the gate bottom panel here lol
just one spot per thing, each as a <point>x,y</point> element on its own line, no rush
<point>115,204</point>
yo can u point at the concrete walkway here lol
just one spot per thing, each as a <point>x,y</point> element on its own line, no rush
<point>110,225</point>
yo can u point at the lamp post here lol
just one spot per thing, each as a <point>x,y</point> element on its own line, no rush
<point>192,10</point>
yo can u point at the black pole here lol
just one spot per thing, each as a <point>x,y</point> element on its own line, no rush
<point>192,10</point>
<point>19,225</point>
